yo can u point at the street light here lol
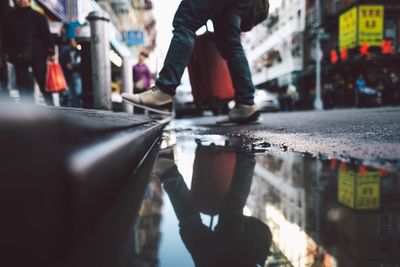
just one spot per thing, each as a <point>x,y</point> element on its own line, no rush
<point>318,105</point>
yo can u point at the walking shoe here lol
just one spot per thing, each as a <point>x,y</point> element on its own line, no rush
<point>165,163</point>
<point>243,114</point>
<point>154,98</point>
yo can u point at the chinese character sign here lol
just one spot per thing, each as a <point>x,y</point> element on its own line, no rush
<point>359,190</point>
<point>368,190</point>
<point>348,29</point>
<point>347,188</point>
<point>370,24</point>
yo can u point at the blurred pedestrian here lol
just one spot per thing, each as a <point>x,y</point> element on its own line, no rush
<point>360,86</point>
<point>190,16</point>
<point>141,74</point>
<point>28,45</point>
<point>3,64</point>
<point>3,73</point>
<point>393,89</point>
<point>70,61</point>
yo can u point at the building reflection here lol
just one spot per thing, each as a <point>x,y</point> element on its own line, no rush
<point>145,234</point>
<point>320,212</point>
<point>328,213</point>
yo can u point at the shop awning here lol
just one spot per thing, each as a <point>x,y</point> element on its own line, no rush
<point>65,10</point>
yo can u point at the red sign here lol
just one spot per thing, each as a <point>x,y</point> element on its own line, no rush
<point>344,54</point>
<point>334,57</point>
<point>387,47</point>
<point>364,50</point>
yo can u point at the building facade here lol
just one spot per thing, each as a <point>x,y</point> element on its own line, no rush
<point>361,41</point>
<point>275,47</point>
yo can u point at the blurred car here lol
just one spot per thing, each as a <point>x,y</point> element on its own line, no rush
<point>184,102</point>
<point>266,101</point>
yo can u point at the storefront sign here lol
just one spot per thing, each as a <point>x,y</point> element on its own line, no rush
<point>368,190</point>
<point>134,38</point>
<point>361,25</point>
<point>359,190</point>
<point>348,29</point>
<point>346,185</point>
<point>371,20</point>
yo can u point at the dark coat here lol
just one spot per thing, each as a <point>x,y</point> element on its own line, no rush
<point>26,35</point>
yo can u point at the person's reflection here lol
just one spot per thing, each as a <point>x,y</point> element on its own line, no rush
<point>237,240</point>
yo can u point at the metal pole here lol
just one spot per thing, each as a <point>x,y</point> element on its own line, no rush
<point>318,105</point>
<point>127,81</point>
<point>101,65</point>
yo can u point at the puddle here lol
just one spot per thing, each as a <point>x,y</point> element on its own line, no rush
<point>231,193</point>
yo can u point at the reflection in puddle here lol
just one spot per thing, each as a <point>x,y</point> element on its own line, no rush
<point>320,212</point>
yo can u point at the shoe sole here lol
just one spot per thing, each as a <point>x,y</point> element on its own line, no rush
<point>254,118</point>
<point>159,111</point>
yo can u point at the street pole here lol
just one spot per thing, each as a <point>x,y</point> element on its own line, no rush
<point>318,105</point>
<point>101,65</point>
<point>127,81</point>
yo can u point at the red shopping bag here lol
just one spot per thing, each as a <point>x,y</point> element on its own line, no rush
<point>55,81</point>
<point>213,172</point>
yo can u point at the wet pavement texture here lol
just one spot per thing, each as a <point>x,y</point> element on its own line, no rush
<point>235,200</point>
<point>368,134</point>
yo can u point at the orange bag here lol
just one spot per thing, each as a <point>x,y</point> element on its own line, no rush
<point>55,81</point>
<point>213,171</point>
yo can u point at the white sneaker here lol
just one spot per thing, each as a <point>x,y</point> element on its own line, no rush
<point>154,98</point>
<point>244,114</point>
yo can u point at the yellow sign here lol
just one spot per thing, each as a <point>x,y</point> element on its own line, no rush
<point>371,22</point>
<point>346,185</point>
<point>368,190</point>
<point>362,24</point>
<point>348,29</point>
<point>359,190</point>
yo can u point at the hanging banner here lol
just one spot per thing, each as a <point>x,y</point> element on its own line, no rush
<point>348,29</point>
<point>371,22</point>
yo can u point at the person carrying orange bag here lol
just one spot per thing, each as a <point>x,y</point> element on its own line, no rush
<point>55,81</point>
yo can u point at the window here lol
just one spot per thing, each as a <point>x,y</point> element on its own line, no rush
<point>384,225</point>
<point>390,31</point>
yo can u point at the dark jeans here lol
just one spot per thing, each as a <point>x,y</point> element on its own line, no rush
<point>3,80</point>
<point>190,16</point>
<point>25,83</point>
<point>72,97</point>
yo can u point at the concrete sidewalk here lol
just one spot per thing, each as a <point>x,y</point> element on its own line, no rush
<point>367,134</point>
<point>71,182</point>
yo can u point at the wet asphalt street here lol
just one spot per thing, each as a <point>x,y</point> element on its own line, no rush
<point>239,195</point>
<point>231,188</point>
<point>371,135</point>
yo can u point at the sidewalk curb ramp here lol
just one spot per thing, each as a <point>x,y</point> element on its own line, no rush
<point>71,184</point>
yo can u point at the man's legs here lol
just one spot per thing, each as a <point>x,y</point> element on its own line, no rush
<point>186,22</point>
<point>227,37</point>
<point>24,82</point>
<point>40,72</point>
<point>4,81</point>
<point>189,17</point>
<point>74,83</point>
